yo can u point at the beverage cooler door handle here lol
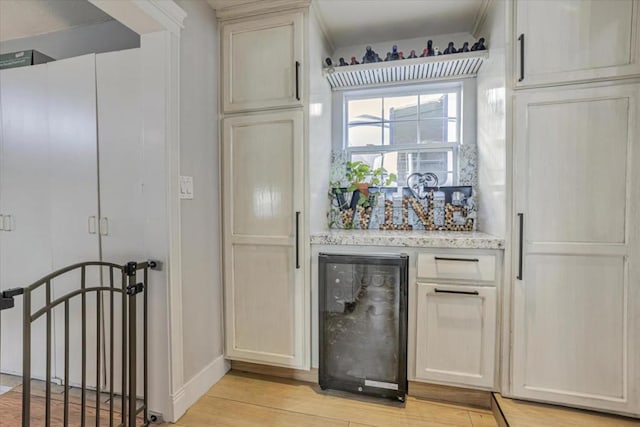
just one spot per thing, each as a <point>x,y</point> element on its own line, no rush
<point>298,240</point>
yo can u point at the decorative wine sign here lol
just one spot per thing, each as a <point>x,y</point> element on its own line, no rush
<point>416,207</point>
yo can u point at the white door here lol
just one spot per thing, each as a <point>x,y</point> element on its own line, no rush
<point>577,296</point>
<point>261,63</point>
<point>74,202</point>
<point>573,40</point>
<point>456,334</point>
<point>121,186</point>
<point>25,242</point>
<point>266,295</point>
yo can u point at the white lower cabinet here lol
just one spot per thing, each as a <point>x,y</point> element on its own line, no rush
<point>456,334</point>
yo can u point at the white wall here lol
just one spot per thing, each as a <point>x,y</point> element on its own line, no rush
<point>491,125</point>
<point>97,38</point>
<point>319,130</point>
<point>405,45</point>
<point>200,217</point>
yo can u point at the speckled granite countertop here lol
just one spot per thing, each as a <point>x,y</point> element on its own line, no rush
<point>418,239</point>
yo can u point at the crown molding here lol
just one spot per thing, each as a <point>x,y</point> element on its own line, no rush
<point>481,16</point>
<point>259,7</point>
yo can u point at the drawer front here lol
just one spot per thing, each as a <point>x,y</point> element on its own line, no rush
<point>456,266</point>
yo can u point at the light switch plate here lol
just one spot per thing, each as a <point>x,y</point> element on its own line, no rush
<point>186,187</point>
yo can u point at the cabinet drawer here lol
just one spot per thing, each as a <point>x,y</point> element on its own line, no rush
<point>456,266</point>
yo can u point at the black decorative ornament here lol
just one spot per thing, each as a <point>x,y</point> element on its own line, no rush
<point>450,49</point>
<point>342,63</point>
<point>370,56</point>
<point>329,62</point>
<point>479,45</point>
<point>464,48</point>
<point>430,51</point>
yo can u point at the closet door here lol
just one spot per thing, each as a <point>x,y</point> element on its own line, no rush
<point>74,202</point>
<point>25,228</point>
<point>121,209</point>
<point>577,291</point>
<point>266,302</point>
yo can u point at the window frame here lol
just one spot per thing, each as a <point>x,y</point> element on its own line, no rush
<point>456,86</point>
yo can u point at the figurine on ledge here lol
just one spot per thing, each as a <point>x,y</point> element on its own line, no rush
<point>354,61</point>
<point>370,56</point>
<point>393,55</point>
<point>412,55</point>
<point>329,62</point>
<point>450,49</point>
<point>436,51</point>
<point>479,45</point>
<point>464,48</point>
<point>342,63</point>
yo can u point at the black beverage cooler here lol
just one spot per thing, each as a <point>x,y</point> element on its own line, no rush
<point>363,324</point>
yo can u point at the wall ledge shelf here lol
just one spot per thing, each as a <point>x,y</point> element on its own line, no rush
<point>432,68</point>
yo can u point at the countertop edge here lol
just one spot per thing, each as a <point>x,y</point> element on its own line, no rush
<point>441,240</point>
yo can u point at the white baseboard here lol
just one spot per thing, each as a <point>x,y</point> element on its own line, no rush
<point>197,386</point>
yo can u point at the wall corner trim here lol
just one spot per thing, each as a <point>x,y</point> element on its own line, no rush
<point>481,16</point>
<point>198,385</point>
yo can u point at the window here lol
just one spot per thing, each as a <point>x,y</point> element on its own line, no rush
<point>406,130</point>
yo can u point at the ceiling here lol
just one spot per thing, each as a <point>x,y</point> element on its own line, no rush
<point>25,18</point>
<point>354,22</point>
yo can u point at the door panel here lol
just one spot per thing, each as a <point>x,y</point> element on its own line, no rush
<point>266,296</point>
<point>577,295</point>
<point>120,145</point>
<point>582,149</point>
<point>259,63</point>
<point>25,251</point>
<point>74,199</point>
<point>574,300</point>
<point>262,157</point>
<point>577,39</point>
<point>456,334</point>
<point>266,287</point>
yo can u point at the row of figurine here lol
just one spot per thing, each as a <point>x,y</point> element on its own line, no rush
<point>394,55</point>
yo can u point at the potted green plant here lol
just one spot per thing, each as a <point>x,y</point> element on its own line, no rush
<point>362,177</point>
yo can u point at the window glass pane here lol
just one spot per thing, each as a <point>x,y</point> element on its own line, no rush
<point>402,133</point>
<point>401,108</point>
<point>404,163</point>
<point>361,135</point>
<point>364,110</point>
<point>438,118</point>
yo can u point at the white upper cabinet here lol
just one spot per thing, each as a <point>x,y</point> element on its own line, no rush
<point>575,40</point>
<point>262,63</point>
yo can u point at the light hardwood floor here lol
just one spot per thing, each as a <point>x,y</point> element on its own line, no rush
<point>519,413</point>
<point>247,400</point>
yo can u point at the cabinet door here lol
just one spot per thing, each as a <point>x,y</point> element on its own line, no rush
<point>456,334</point>
<point>577,291</point>
<point>574,40</point>
<point>71,100</point>
<point>262,63</point>
<point>266,294</point>
<point>25,249</point>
